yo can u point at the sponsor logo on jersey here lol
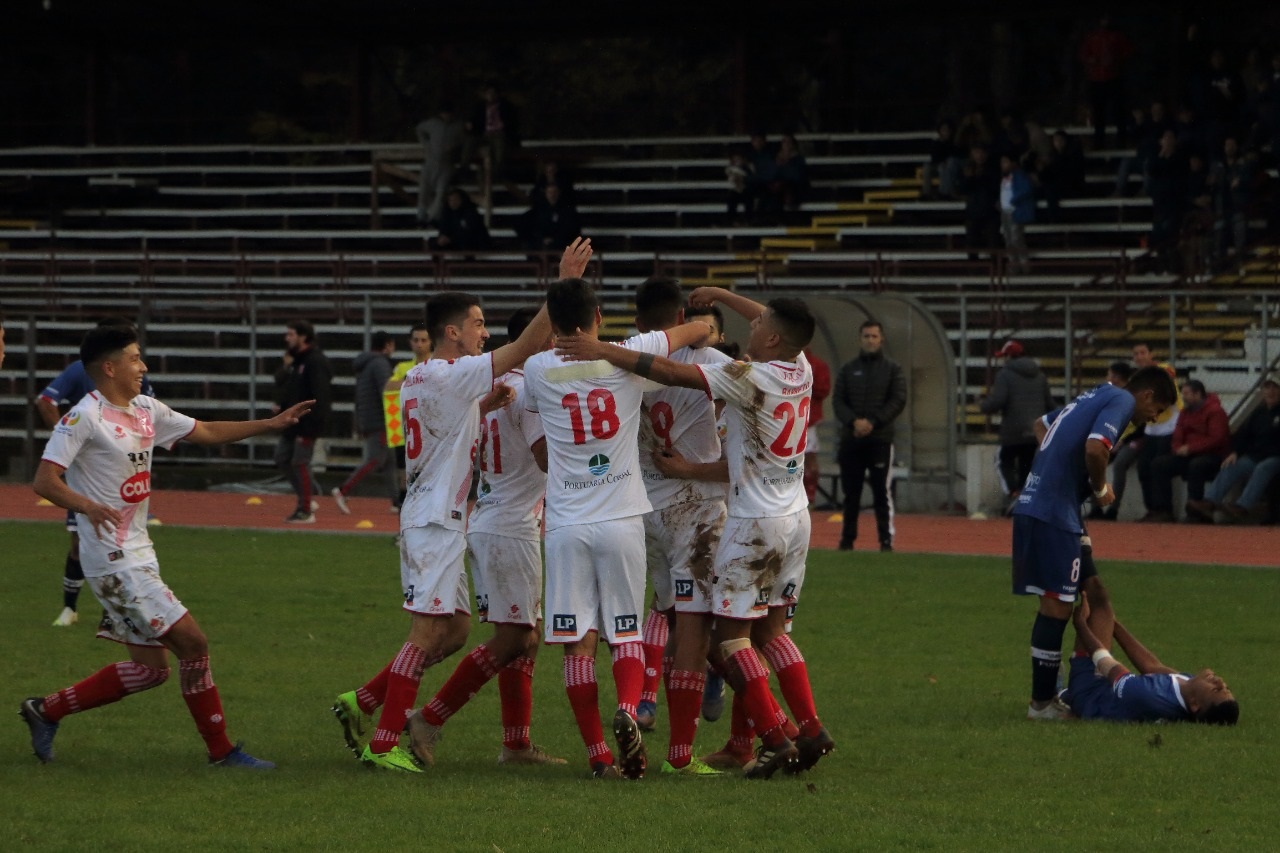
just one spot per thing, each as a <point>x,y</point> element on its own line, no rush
<point>482,604</point>
<point>791,466</point>
<point>598,465</point>
<point>71,419</point>
<point>791,613</point>
<point>725,603</point>
<point>789,591</point>
<point>485,488</point>
<point>564,625</point>
<point>115,555</point>
<point>684,590</point>
<point>137,488</point>
<point>515,610</point>
<point>408,594</point>
<point>762,599</point>
<point>118,432</point>
<point>456,515</point>
<point>579,485</point>
<point>626,626</point>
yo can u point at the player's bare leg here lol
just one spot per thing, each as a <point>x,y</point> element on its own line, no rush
<point>769,635</point>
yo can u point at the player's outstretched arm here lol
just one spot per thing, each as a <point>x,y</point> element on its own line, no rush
<point>532,340</point>
<point>225,432</point>
<point>579,347</point>
<point>705,297</point>
<point>1102,659</point>
<point>48,411</point>
<point>1145,660</point>
<point>573,263</point>
<point>49,485</point>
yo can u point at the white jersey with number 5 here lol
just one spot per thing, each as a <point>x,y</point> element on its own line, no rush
<point>509,498</point>
<point>684,420</point>
<point>591,426</point>
<point>766,409</point>
<point>106,451</point>
<point>438,402</point>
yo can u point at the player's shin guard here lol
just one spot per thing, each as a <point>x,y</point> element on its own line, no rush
<point>201,696</point>
<point>684,704</point>
<point>583,692</point>
<point>109,684</point>
<point>656,631</point>
<point>402,694</point>
<point>628,674</point>
<point>793,678</point>
<point>372,695</point>
<point>472,673</point>
<point>515,687</point>
<point>72,581</point>
<point>756,695</point>
<point>1046,654</point>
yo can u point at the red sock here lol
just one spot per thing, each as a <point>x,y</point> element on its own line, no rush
<point>584,698</point>
<point>515,686</point>
<point>402,694</point>
<point>372,695</point>
<point>472,673</point>
<point>109,684</point>
<point>656,631</point>
<point>742,733</point>
<point>667,663</point>
<point>757,697</point>
<point>628,674</point>
<point>201,696</point>
<point>793,678</point>
<point>684,704</point>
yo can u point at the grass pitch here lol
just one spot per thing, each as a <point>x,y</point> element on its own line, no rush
<point>919,665</point>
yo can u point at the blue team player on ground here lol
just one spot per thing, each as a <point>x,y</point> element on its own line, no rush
<point>1070,464</point>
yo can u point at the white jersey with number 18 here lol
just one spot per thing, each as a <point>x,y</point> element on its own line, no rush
<point>766,409</point>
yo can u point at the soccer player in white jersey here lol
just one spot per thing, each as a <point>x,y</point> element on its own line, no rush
<point>438,402</point>
<point>504,547</point>
<point>682,531</point>
<point>104,444</point>
<point>759,567</point>
<point>595,530</point>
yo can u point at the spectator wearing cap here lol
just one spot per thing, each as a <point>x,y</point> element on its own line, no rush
<point>1019,395</point>
<point>1253,462</point>
<point>1201,440</point>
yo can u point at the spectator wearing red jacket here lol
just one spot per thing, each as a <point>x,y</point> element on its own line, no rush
<point>821,391</point>
<point>1104,51</point>
<point>1201,440</point>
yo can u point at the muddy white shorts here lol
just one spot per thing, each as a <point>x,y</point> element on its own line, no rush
<point>760,564</point>
<point>139,608</point>
<point>680,543</point>
<point>507,575</point>
<point>433,574</point>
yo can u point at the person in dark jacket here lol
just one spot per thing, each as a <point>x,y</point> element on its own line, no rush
<point>461,224</point>
<point>1020,395</point>
<point>980,189</point>
<point>1254,461</point>
<point>870,392</point>
<point>372,369</point>
<point>1201,440</point>
<point>306,377</point>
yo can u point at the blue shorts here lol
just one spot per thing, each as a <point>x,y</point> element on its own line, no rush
<point>1089,694</point>
<point>1046,559</point>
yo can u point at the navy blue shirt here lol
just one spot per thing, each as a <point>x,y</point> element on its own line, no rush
<point>74,382</point>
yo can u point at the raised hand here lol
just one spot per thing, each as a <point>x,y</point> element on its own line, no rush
<point>573,263</point>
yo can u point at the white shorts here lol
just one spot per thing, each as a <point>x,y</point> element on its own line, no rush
<point>138,608</point>
<point>433,574</point>
<point>680,544</point>
<point>595,580</point>
<point>507,575</point>
<point>760,564</point>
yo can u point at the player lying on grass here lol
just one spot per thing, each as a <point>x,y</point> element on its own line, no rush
<point>104,445</point>
<point>1102,688</point>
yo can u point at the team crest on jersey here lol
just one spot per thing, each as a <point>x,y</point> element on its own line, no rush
<point>792,466</point>
<point>684,590</point>
<point>626,626</point>
<point>598,465</point>
<point>564,625</point>
<point>482,604</point>
<point>515,611</point>
<point>408,594</point>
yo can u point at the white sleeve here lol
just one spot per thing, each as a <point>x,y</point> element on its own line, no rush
<point>730,381</point>
<point>529,396</point>
<point>69,435</point>
<point>654,343</point>
<point>170,426</point>
<point>472,375</point>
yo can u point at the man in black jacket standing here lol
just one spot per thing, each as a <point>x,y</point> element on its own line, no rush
<point>307,377</point>
<point>870,392</point>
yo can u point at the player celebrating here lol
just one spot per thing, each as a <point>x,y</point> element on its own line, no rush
<point>104,446</point>
<point>1071,463</point>
<point>504,535</point>
<point>442,427</point>
<point>759,566</point>
<point>595,507</point>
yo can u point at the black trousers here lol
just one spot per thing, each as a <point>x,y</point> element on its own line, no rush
<point>870,462</point>
<point>1015,465</point>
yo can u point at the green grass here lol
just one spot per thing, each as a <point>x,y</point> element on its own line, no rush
<point>919,665</point>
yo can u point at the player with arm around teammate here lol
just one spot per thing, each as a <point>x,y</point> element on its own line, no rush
<point>759,566</point>
<point>104,446</point>
<point>1071,463</point>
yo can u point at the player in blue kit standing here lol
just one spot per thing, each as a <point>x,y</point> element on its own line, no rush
<point>1070,464</point>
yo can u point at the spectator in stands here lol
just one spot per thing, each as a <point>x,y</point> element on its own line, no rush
<point>1118,373</point>
<point>737,173</point>
<point>372,369</point>
<point>1232,182</point>
<point>1020,395</point>
<point>1253,462</point>
<point>762,164</point>
<point>1148,126</point>
<point>1104,52</point>
<point>975,129</point>
<point>1167,184</point>
<point>551,172</point>
<point>1017,211</point>
<point>1201,440</point>
<point>812,444</point>
<point>1142,447</point>
<point>1195,241</point>
<point>1011,137</point>
<point>981,190</point>
<point>1191,133</point>
<point>461,225</point>
<point>785,191</point>
<point>945,164</point>
<point>870,393</point>
<point>493,125</point>
<point>1224,100</point>
<point>441,138</point>
<point>1061,174</point>
<point>549,223</point>
<point>307,376</point>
